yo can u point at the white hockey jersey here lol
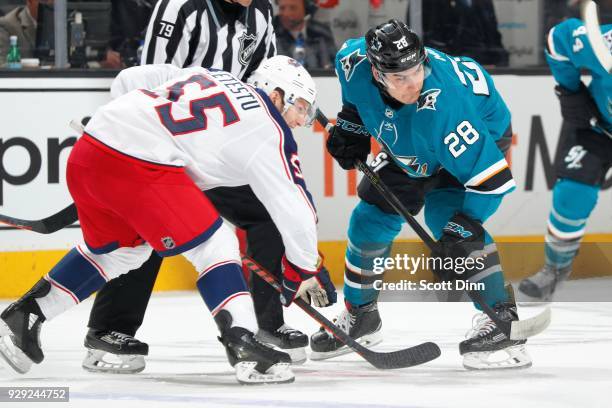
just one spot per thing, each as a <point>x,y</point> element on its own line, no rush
<point>222,131</point>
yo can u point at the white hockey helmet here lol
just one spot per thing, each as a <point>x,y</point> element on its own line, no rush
<point>289,75</point>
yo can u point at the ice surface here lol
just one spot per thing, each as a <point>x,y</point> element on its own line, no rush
<point>187,366</point>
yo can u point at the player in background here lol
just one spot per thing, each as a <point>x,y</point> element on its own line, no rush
<point>235,36</point>
<point>137,175</point>
<point>444,129</point>
<point>586,137</point>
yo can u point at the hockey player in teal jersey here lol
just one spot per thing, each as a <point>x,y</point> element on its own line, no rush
<point>586,137</point>
<point>444,129</point>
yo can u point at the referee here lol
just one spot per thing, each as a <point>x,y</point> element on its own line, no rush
<point>235,36</point>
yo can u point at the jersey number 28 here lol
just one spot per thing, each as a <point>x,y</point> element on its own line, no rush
<point>468,134</point>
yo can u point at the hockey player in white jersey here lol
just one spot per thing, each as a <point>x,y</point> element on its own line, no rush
<point>136,177</point>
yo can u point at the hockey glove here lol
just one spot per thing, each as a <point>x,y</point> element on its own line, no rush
<point>461,236</point>
<point>577,108</point>
<point>348,140</point>
<point>315,286</point>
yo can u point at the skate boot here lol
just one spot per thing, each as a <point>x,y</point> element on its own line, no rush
<point>20,325</point>
<point>114,352</point>
<point>254,362</point>
<point>541,286</point>
<point>286,339</point>
<point>485,345</point>
<point>362,323</point>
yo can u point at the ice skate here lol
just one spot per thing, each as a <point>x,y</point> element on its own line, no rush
<point>541,286</point>
<point>114,352</point>
<point>254,362</point>
<point>362,323</point>
<point>20,325</point>
<point>488,348</point>
<point>288,340</point>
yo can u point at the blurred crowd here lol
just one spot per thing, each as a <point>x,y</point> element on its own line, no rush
<point>114,36</point>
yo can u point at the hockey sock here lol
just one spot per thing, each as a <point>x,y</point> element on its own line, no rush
<point>370,235</point>
<point>222,286</point>
<point>360,272</point>
<point>74,278</point>
<point>491,275</point>
<point>572,205</point>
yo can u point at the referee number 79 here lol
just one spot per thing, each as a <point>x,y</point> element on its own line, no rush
<point>165,29</point>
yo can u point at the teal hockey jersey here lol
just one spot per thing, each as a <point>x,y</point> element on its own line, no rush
<point>569,51</point>
<point>454,125</point>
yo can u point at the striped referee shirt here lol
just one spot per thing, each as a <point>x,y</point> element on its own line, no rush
<point>189,33</point>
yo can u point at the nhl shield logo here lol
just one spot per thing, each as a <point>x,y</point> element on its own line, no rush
<point>168,242</point>
<point>248,43</point>
<point>428,99</point>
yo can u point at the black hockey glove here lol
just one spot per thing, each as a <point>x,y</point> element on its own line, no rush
<point>577,108</point>
<point>310,286</point>
<point>461,236</point>
<point>348,140</point>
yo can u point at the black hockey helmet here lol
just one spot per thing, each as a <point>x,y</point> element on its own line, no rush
<point>393,47</point>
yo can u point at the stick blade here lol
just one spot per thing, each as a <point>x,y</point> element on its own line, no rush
<point>522,329</point>
<point>48,225</point>
<point>589,13</point>
<point>36,226</point>
<point>408,357</point>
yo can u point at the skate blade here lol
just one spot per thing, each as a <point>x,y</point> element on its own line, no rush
<point>98,361</point>
<point>516,358</point>
<point>368,341</point>
<point>279,373</point>
<point>13,356</point>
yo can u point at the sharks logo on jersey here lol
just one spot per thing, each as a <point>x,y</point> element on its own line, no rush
<point>413,164</point>
<point>350,62</point>
<point>428,99</point>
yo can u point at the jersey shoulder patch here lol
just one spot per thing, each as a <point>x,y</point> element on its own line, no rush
<point>349,57</point>
<point>350,62</point>
<point>428,99</point>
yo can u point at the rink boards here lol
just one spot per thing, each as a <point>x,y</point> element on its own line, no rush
<point>35,142</point>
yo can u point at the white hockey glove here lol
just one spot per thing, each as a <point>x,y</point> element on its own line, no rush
<point>315,286</point>
<point>314,290</point>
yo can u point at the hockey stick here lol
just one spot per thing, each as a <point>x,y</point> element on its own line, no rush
<point>407,357</point>
<point>595,123</point>
<point>48,225</point>
<point>588,11</point>
<point>590,17</point>
<point>516,330</point>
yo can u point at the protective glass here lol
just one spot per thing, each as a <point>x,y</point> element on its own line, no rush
<point>303,109</point>
<point>398,80</point>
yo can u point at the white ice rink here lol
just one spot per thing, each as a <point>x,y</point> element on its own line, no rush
<point>187,367</point>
